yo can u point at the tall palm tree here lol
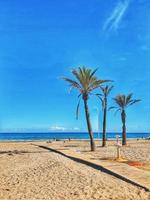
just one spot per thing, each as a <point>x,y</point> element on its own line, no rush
<point>123,102</point>
<point>85,82</point>
<point>104,99</point>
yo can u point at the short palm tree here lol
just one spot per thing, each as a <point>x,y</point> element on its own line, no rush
<point>104,99</point>
<point>123,102</point>
<point>85,82</point>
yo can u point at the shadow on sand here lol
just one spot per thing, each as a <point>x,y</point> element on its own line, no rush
<point>95,166</point>
<point>11,153</point>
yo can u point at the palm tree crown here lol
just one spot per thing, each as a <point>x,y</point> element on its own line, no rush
<point>105,92</point>
<point>85,82</point>
<point>106,89</point>
<point>124,101</point>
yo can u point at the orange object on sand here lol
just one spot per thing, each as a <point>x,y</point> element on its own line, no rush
<point>135,163</point>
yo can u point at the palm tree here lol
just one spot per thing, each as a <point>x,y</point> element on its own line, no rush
<point>85,82</point>
<point>123,102</point>
<point>104,99</point>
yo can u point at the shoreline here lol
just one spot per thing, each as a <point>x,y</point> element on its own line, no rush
<point>70,140</point>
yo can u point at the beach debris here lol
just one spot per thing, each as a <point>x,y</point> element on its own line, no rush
<point>135,163</point>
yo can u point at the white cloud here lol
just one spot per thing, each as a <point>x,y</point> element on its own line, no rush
<point>57,128</point>
<point>62,128</point>
<point>113,21</point>
<point>76,129</point>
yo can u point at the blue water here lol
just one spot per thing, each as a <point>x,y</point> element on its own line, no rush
<point>63,135</point>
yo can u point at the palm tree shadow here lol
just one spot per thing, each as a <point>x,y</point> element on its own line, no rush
<point>95,166</point>
<point>14,152</point>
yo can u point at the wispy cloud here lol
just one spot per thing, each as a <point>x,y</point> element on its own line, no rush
<point>145,48</point>
<point>122,59</point>
<point>114,20</point>
<point>76,129</point>
<point>62,128</point>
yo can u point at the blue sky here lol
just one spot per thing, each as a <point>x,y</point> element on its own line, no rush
<point>40,41</point>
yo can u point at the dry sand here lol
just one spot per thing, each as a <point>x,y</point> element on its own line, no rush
<point>28,172</point>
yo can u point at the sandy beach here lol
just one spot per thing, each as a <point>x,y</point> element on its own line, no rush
<point>29,172</point>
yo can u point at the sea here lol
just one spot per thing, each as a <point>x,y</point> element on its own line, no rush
<point>64,135</point>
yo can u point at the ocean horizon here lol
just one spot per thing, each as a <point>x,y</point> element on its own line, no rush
<point>30,136</point>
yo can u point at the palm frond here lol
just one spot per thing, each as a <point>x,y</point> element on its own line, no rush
<point>102,100</point>
<point>134,101</point>
<point>117,111</point>
<point>72,83</point>
<point>70,89</point>
<point>78,75</point>
<point>119,100</point>
<point>110,89</point>
<point>96,83</point>
<point>79,95</point>
<point>112,107</point>
<point>92,74</point>
<point>129,98</point>
<point>77,109</point>
<point>102,88</point>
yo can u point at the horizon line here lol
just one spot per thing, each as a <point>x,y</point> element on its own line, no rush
<point>71,132</point>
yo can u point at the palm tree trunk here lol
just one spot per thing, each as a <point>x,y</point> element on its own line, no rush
<point>104,124</point>
<point>92,143</point>
<point>123,117</point>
